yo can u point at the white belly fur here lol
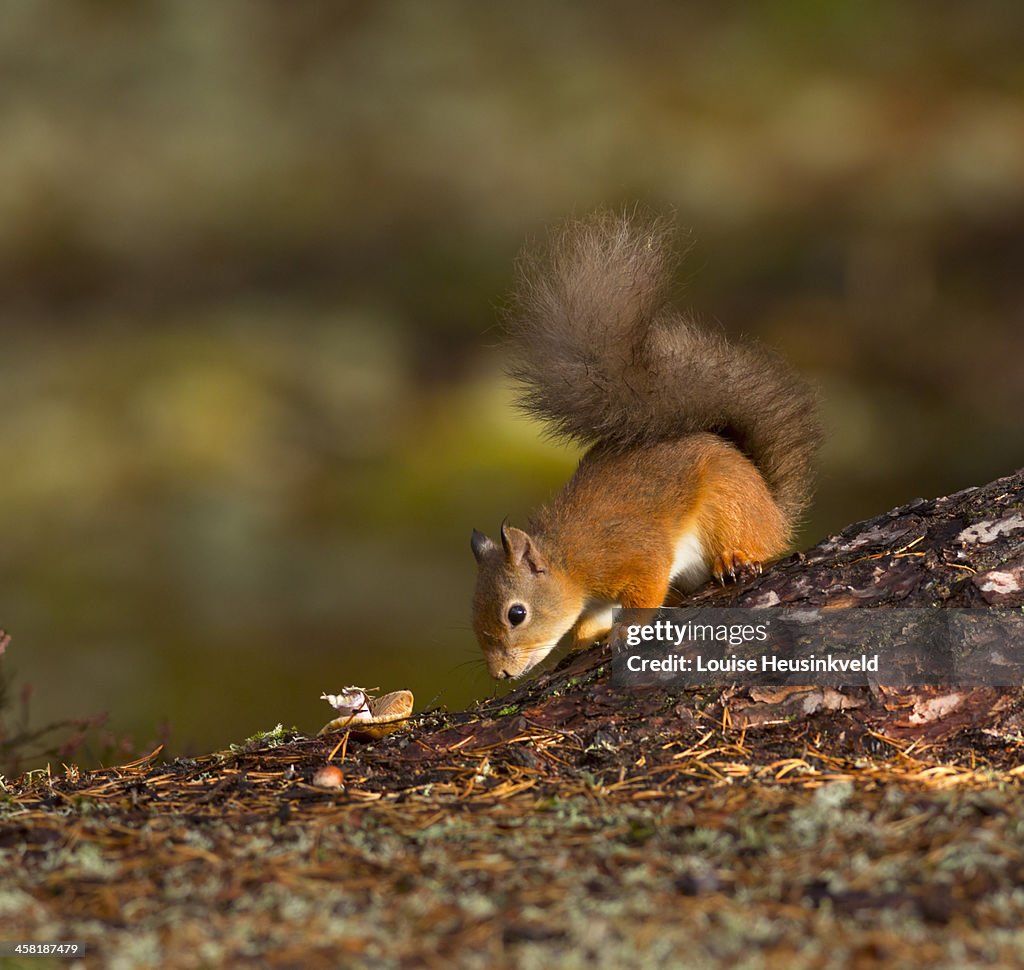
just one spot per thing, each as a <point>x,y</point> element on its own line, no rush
<point>689,568</point>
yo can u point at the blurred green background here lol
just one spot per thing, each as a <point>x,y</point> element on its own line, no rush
<point>250,260</point>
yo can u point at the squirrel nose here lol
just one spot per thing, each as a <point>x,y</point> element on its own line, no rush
<point>504,675</point>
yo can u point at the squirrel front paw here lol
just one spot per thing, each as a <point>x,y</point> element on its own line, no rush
<point>735,566</point>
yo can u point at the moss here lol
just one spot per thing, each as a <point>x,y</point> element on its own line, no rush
<point>277,735</point>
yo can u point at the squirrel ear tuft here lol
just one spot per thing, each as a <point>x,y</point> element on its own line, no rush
<point>506,537</point>
<point>481,545</point>
<point>520,549</point>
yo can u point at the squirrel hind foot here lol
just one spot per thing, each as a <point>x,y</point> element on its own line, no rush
<point>735,566</point>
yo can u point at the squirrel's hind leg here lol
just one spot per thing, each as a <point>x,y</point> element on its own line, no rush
<point>732,564</point>
<point>740,523</point>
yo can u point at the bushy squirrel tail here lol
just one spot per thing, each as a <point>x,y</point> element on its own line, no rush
<point>604,359</point>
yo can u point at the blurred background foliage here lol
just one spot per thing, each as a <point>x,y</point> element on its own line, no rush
<point>250,260</point>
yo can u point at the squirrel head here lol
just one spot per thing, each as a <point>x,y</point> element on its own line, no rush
<point>523,604</point>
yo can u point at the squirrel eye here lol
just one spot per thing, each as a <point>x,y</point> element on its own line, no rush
<point>516,614</point>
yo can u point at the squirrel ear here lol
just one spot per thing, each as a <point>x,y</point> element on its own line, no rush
<point>481,545</point>
<point>520,548</point>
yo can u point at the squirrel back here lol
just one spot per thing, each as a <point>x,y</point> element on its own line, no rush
<point>605,360</point>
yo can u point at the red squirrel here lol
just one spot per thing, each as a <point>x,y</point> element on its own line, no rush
<point>700,450</point>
